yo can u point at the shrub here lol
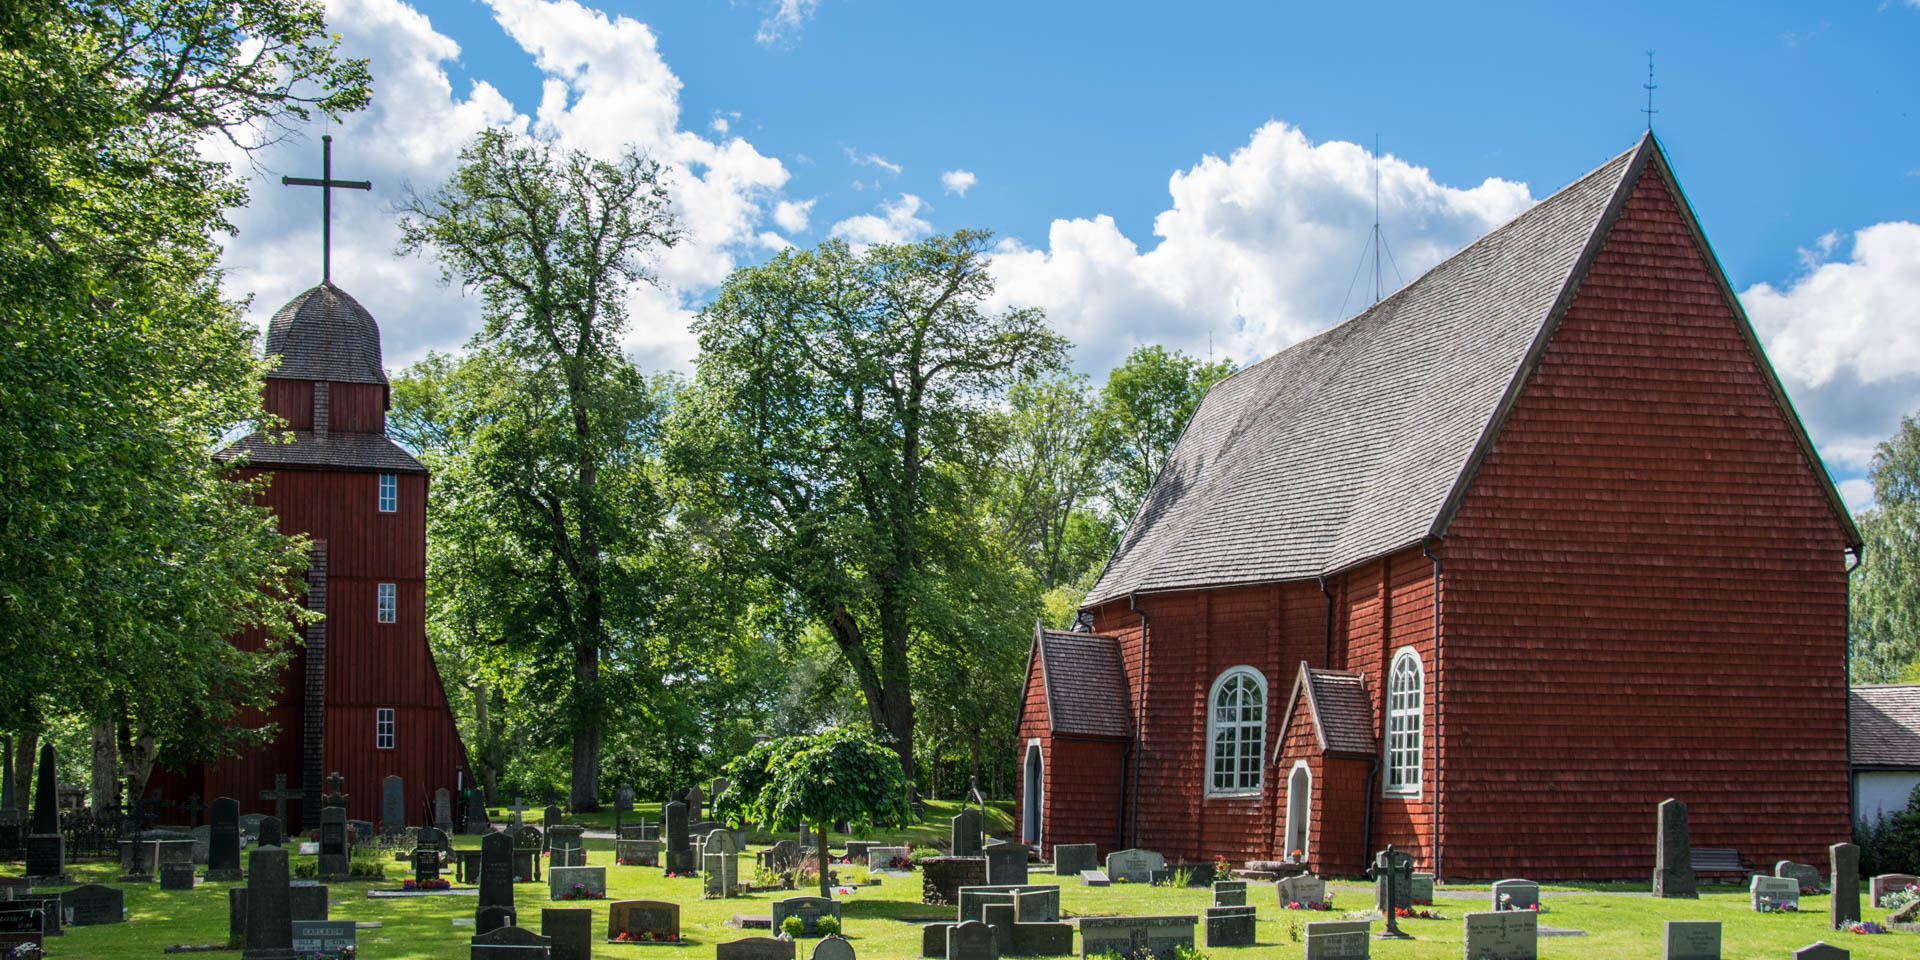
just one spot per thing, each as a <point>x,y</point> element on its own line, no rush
<point>829,927</point>
<point>1891,844</point>
<point>792,927</point>
<point>918,854</point>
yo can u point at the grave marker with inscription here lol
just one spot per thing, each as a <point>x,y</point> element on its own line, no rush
<point>576,883</point>
<point>1504,935</point>
<point>570,929</point>
<point>754,948</point>
<point>1006,863</point>
<point>1338,940</point>
<point>647,921</point>
<point>1673,853</point>
<point>1160,936</point>
<point>1691,940</point>
<point>322,938</point>
<point>496,882</point>
<point>1515,895</point>
<point>1071,858</point>
<point>1230,926</point>
<point>223,841</point>
<point>808,909</point>
<point>93,903</point>
<point>1134,866</point>
<point>1844,907</point>
<point>1766,894</point>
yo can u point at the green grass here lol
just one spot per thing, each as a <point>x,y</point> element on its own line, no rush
<point>883,921</point>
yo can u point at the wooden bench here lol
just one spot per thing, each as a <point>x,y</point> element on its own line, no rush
<point>1718,860</point>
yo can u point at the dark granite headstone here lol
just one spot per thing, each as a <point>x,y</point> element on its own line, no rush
<point>495,917</point>
<point>176,876</point>
<point>679,856</point>
<point>1006,864</point>
<point>966,834</point>
<point>1069,859</point>
<point>273,833</point>
<point>754,948</point>
<point>509,943</point>
<point>223,841</point>
<point>46,848</point>
<point>322,938</point>
<point>426,866</point>
<point>333,843</point>
<point>496,877</point>
<point>269,906</point>
<point>972,940</point>
<point>20,924</point>
<point>93,903</point>
<point>1230,926</point>
<point>1844,860</point>
<point>393,804</point>
<point>571,931</point>
<point>308,902</point>
<point>808,909</point>
<point>1673,853</point>
<point>648,921</point>
<point>1820,950</point>
<point>476,813</point>
<point>443,810</point>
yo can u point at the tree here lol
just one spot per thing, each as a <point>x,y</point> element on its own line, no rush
<point>131,555</point>
<point>838,775</point>
<point>835,391</point>
<point>1143,408</point>
<point>1047,473</point>
<point>1885,595</point>
<point>554,241</point>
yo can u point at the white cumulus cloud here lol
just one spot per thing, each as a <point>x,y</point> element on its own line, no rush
<point>792,215</point>
<point>895,223</point>
<point>784,20</point>
<point>958,181</point>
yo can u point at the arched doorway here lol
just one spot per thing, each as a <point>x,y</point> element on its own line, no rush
<point>1299,809</point>
<point>1030,802</point>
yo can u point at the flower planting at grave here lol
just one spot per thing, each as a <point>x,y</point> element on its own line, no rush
<point>1409,913</point>
<point>1863,926</point>
<point>646,936</point>
<point>900,863</point>
<point>579,891</point>
<point>1324,905</point>
<point>1769,906</point>
<point>440,884</point>
<point>1896,899</point>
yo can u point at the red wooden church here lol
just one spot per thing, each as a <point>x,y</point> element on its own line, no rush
<point>363,697</point>
<point>1485,572</point>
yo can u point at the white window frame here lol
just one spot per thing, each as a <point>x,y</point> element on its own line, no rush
<point>384,728</point>
<point>386,602</point>
<point>1237,788</point>
<point>389,487</point>
<point>1405,726</point>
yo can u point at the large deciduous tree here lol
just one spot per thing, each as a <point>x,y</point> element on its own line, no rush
<point>836,390</point>
<point>555,241</point>
<point>130,558</point>
<point>1885,596</point>
<point>1143,408</point>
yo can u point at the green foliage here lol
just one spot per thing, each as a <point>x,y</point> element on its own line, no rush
<point>1885,593</point>
<point>793,927</point>
<point>841,774</point>
<point>1891,844</point>
<point>828,926</point>
<point>1143,408</point>
<point>131,556</point>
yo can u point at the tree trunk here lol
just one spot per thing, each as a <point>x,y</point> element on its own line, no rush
<point>138,748</point>
<point>820,834</point>
<point>23,761</point>
<point>585,793</point>
<point>976,758</point>
<point>105,789</point>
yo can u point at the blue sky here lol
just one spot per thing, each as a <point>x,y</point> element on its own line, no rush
<point>1193,175</point>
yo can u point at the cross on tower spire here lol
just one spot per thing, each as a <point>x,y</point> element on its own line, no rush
<point>326,183</point>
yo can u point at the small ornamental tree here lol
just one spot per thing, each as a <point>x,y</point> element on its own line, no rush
<point>842,774</point>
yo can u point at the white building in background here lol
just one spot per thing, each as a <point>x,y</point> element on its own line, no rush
<point>1885,747</point>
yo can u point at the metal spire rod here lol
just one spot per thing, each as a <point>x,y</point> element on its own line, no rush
<point>1650,87</point>
<point>326,183</point>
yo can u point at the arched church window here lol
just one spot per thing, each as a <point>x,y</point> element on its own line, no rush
<point>1236,731</point>
<point>1406,703</point>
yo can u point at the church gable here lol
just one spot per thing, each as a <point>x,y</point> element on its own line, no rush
<point>1338,709</point>
<point>1083,687</point>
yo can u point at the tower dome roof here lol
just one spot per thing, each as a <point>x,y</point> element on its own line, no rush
<point>324,334</point>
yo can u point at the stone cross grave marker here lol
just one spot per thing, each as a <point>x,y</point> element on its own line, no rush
<point>647,921</point>
<point>192,809</point>
<point>1134,866</point>
<point>336,791</point>
<point>280,794</point>
<point>1392,874</point>
<point>1844,859</point>
<point>1691,940</point>
<point>1771,893</point>
<point>1337,940</point>
<point>1503,935</point>
<point>570,929</point>
<point>1673,853</point>
<point>223,841</point>
<point>393,805</point>
<point>518,811</point>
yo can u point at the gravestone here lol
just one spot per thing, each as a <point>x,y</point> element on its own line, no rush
<point>551,817</point>
<point>393,804</point>
<point>933,939</point>
<point>967,833</point>
<point>999,916</point>
<point>223,841</point>
<point>808,909</point>
<point>1887,883</point>
<point>1134,866</point>
<point>1230,926</point>
<point>1095,878</point>
<point>476,822</point>
<point>696,804</point>
<point>333,843</point>
<point>1820,950</point>
<point>306,901</point>
<point>652,921</point>
<point>1071,858</point>
<point>832,948</point>
<point>1422,891</point>
<point>1515,895</point>
<point>94,903</point>
<point>509,943</point>
<point>1673,853</point>
<point>176,876</point>
<point>322,938</point>
<point>1806,873</point>
<point>576,883</point>
<point>570,929</point>
<point>1160,936</point>
<point>1006,863</point>
<point>269,906</point>
<point>1338,940</point>
<point>527,844</point>
<point>47,906</point>
<point>496,882</point>
<point>273,833</point>
<point>433,838</point>
<point>1691,940</point>
<point>21,924</point>
<point>972,940</point>
<point>858,850</point>
<point>442,810</point>
<point>1844,860</point>
<point>637,853</point>
<point>881,858</point>
<point>1036,905</point>
<point>721,864</point>
<point>679,857</point>
<point>1505,935</point>
<point>1229,893</point>
<point>567,844</point>
<point>754,948</point>
<point>781,857</point>
<point>426,867</point>
<point>1392,874</point>
<point>1766,893</point>
<point>46,848</point>
<point>280,794</point>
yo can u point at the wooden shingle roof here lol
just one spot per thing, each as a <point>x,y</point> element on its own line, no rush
<point>324,334</point>
<point>1085,683</point>
<point>369,452</point>
<point>1360,441</point>
<point>1340,707</point>
<point>1885,724</point>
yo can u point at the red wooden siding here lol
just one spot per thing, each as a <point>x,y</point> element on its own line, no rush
<point>357,407</point>
<point>1645,594</point>
<point>290,400</point>
<point>1084,783</point>
<point>344,510</point>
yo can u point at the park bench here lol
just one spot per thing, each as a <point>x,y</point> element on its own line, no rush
<point>1718,860</point>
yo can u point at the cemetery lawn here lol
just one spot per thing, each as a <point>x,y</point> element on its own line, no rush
<point>883,921</point>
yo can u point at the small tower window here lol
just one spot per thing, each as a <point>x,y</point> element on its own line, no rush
<point>1406,702</point>
<point>389,493</point>
<point>383,728</point>
<point>1236,728</point>
<point>389,604</point>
